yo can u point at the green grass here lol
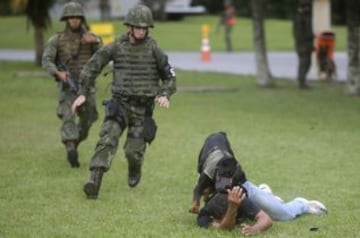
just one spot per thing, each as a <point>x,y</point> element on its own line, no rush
<point>301,143</point>
<point>177,36</point>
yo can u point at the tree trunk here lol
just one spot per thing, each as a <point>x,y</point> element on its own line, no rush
<point>263,74</point>
<point>39,44</point>
<point>353,73</point>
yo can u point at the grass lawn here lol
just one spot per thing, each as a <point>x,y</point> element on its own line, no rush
<point>300,143</point>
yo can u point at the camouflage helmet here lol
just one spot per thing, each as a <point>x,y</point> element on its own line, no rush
<point>140,16</point>
<point>72,9</point>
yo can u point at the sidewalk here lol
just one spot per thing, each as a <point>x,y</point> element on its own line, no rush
<point>282,64</point>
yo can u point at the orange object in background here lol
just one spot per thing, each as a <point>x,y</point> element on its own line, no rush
<point>231,21</point>
<point>205,50</point>
<point>325,42</point>
<point>205,43</point>
<point>325,47</point>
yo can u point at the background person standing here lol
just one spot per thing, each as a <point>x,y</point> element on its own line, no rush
<point>304,39</point>
<point>228,20</point>
<point>64,56</point>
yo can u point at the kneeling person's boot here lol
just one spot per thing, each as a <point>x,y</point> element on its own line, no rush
<point>92,186</point>
<point>72,154</point>
<point>134,174</point>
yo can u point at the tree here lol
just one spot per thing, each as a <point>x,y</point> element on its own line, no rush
<point>263,74</point>
<point>353,22</point>
<point>37,12</point>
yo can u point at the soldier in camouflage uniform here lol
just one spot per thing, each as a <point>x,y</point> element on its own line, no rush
<point>64,56</point>
<point>142,77</point>
<point>304,39</point>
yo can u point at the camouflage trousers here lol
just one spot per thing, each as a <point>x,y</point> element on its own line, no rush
<point>133,114</point>
<point>76,127</point>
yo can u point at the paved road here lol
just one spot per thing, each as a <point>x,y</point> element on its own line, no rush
<point>282,64</point>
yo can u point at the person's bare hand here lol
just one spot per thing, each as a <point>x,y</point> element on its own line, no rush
<point>246,229</point>
<point>163,101</point>
<point>236,195</point>
<point>77,103</point>
<point>62,75</point>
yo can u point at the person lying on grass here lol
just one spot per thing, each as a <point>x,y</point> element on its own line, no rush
<point>225,209</point>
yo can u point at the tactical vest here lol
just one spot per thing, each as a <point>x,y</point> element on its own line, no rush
<point>135,69</point>
<point>72,53</point>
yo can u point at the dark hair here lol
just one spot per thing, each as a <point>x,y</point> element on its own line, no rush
<point>217,205</point>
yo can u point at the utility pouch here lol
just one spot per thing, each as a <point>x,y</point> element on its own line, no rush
<point>114,112</point>
<point>110,108</point>
<point>150,129</point>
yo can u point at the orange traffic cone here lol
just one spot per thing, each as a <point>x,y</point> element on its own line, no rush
<point>205,50</point>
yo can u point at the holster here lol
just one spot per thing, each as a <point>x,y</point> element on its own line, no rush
<point>150,129</point>
<point>114,112</point>
<point>150,126</point>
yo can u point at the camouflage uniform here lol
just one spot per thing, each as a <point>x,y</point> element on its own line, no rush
<point>141,72</point>
<point>65,49</point>
<point>304,39</point>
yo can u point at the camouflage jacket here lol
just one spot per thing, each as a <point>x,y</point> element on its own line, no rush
<point>65,48</point>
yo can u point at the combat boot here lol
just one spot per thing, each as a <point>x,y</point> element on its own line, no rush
<point>72,154</point>
<point>134,174</point>
<point>92,187</point>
